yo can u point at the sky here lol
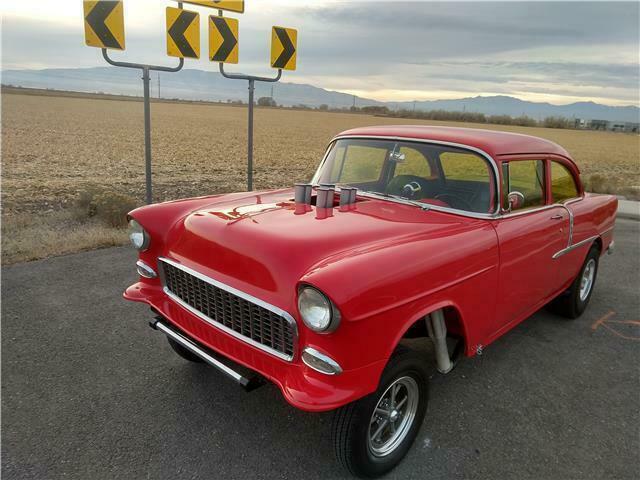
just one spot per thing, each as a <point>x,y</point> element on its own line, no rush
<point>557,52</point>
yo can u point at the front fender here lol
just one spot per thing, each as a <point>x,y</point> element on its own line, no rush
<point>382,291</point>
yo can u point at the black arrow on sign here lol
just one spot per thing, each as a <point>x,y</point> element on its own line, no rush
<point>288,48</point>
<point>96,20</point>
<point>176,32</point>
<point>229,41</point>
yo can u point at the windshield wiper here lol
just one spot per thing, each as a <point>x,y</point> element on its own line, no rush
<point>400,198</point>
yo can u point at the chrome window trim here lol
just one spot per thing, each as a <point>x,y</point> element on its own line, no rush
<point>518,213</point>
<point>498,214</point>
<point>570,241</point>
<point>239,293</point>
<point>573,200</point>
<point>455,211</point>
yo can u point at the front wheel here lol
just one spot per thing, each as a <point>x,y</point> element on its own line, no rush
<point>373,434</point>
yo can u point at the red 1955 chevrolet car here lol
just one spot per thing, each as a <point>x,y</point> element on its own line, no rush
<point>452,234</point>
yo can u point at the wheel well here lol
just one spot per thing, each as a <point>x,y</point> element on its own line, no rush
<point>598,243</point>
<point>452,320</point>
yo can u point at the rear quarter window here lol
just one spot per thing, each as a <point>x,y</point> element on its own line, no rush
<point>563,185</point>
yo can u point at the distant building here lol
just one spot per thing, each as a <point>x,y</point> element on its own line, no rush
<point>598,124</point>
<point>594,124</point>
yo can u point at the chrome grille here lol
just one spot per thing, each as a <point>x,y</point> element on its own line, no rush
<point>232,312</point>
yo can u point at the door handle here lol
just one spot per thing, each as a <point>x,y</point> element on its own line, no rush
<point>556,217</point>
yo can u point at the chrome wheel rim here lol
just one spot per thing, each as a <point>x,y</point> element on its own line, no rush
<point>586,282</point>
<point>393,416</point>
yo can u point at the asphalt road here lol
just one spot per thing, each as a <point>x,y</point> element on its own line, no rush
<point>89,391</point>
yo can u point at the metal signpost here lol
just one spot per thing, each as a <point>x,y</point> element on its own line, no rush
<point>104,28</point>
<point>283,56</point>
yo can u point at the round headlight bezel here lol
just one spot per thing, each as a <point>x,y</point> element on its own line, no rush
<point>309,294</point>
<point>137,231</point>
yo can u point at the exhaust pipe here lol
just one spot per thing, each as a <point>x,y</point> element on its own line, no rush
<point>324,199</point>
<point>302,193</point>
<point>348,196</point>
<point>345,197</point>
<point>354,194</point>
<point>438,332</point>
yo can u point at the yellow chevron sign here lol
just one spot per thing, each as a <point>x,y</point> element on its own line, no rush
<point>104,24</point>
<point>283,48</point>
<point>183,33</point>
<point>230,5</point>
<point>223,39</point>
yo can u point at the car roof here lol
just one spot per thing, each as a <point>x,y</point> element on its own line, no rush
<point>492,142</point>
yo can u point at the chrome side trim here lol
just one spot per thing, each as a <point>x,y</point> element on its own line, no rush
<point>608,230</point>
<point>145,270</point>
<point>238,293</point>
<point>573,247</point>
<point>455,211</point>
<point>323,358</point>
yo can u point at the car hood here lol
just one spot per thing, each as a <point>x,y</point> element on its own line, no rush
<point>264,244</point>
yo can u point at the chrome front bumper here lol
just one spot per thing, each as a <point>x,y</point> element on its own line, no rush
<point>204,353</point>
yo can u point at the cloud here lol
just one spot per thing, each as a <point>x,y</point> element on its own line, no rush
<point>571,50</point>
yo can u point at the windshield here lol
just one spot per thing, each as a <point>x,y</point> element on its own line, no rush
<point>428,173</point>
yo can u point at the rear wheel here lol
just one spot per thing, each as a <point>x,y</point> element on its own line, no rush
<point>183,352</point>
<point>574,301</point>
<point>373,434</point>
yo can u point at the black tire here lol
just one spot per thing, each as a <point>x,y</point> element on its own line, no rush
<point>183,352</point>
<point>351,423</point>
<point>570,304</point>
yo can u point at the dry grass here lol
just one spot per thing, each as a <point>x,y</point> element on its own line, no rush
<point>54,147</point>
<point>27,238</point>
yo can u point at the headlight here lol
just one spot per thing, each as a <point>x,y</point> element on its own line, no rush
<point>317,311</point>
<point>138,236</point>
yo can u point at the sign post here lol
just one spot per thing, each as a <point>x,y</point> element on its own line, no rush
<point>104,28</point>
<point>223,40</point>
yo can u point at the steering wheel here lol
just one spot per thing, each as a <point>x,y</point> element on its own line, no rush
<point>397,184</point>
<point>455,201</point>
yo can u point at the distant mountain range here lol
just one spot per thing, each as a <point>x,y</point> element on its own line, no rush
<point>194,84</point>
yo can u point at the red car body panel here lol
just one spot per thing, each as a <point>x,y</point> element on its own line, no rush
<point>384,264</point>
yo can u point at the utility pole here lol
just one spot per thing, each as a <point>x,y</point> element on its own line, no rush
<point>159,96</point>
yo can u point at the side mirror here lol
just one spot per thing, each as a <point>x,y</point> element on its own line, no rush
<point>515,200</point>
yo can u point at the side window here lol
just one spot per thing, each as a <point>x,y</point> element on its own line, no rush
<point>464,166</point>
<point>415,163</point>
<point>563,186</point>
<point>358,163</point>
<point>527,177</point>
